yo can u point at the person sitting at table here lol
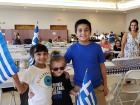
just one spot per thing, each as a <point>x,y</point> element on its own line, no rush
<point>49,43</point>
<point>111,37</point>
<point>117,47</point>
<point>58,39</point>
<point>106,47</point>
<point>17,39</point>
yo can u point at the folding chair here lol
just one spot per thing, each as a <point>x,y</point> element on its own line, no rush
<point>131,88</point>
<point>118,59</point>
<point>8,84</point>
<point>114,82</point>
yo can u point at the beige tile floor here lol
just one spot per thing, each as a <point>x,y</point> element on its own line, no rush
<point>6,96</point>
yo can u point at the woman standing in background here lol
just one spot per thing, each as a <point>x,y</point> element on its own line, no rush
<point>131,41</point>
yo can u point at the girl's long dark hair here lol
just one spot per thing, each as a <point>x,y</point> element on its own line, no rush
<point>37,48</point>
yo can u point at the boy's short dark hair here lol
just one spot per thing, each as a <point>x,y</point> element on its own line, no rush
<point>133,21</point>
<point>38,48</point>
<point>82,21</point>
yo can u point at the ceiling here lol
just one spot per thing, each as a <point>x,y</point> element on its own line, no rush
<point>99,0</point>
<point>106,0</point>
<point>84,5</point>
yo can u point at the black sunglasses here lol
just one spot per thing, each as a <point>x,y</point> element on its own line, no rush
<point>58,68</point>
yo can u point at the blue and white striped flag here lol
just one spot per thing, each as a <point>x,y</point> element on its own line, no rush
<point>35,41</point>
<point>86,96</point>
<point>7,65</point>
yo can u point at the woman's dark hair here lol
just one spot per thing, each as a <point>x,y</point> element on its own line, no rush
<point>50,40</point>
<point>56,57</point>
<point>37,48</point>
<point>117,41</point>
<point>82,21</point>
<point>133,21</point>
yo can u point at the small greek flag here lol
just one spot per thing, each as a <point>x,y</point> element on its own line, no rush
<point>86,95</point>
<point>7,65</point>
<point>35,41</point>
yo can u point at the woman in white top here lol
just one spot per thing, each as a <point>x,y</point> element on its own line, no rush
<point>131,41</point>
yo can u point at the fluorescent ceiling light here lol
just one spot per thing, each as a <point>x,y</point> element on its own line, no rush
<point>129,5</point>
<point>65,3</point>
<point>74,4</point>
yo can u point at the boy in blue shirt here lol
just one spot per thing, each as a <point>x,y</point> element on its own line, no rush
<point>88,55</point>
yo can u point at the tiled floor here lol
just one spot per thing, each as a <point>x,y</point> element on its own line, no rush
<point>7,96</point>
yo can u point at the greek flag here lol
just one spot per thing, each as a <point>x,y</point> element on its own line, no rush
<point>35,37</point>
<point>86,95</point>
<point>7,65</point>
<point>35,41</point>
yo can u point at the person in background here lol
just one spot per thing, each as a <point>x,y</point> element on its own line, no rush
<point>117,47</point>
<point>58,39</point>
<point>16,39</point>
<point>106,47</point>
<point>62,87</point>
<point>111,37</point>
<point>50,40</point>
<point>37,78</point>
<point>105,44</point>
<point>86,55</point>
<point>131,41</point>
<point>121,35</point>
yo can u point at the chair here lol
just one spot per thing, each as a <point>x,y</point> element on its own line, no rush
<point>118,59</point>
<point>132,87</point>
<point>114,86</point>
<point>11,91</point>
<point>27,41</point>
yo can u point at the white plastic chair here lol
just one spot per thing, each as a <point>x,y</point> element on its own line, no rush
<point>133,87</point>
<point>114,82</point>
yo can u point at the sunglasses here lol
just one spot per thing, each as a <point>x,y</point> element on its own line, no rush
<point>58,68</point>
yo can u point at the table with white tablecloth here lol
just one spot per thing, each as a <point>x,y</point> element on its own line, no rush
<point>123,65</point>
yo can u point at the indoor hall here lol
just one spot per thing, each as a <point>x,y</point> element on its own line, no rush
<point>52,22</point>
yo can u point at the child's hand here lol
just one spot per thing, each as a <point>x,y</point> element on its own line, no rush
<point>76,88</point>
<point>120,55</point>
<point>67,76</point>
<point>72,92</point>
<point>106,91</point>
<point>30,94</point>
<point>15,77</point>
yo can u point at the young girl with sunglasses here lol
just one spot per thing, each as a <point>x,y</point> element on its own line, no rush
<point>62,87</point>
<point>37,78</point>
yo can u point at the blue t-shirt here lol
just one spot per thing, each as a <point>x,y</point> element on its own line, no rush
<point>86,57</point>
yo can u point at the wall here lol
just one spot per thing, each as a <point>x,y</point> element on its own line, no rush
<point>44,34</point>
<point>130,16</point>
<point>101,22</point>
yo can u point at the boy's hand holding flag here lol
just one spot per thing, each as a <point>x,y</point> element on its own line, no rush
<point>86,95</point>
